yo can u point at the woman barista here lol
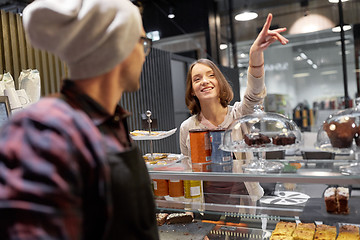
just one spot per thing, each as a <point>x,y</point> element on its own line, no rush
<point>208,94</point>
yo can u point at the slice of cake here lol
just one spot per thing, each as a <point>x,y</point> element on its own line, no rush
<point>254,139</point>
<point>304,231</point>
<point>284,139</point>
<point>348,232</point>
<point>161,218</point>
<point>280,237</point>
<point>342,196</point>
<point>337,200</point>
<point>330,200</point>
<point>306,226</point>
<point>325,232</point>
<point>284,229</point>
<point>303,235</point>
<point>179,218</point>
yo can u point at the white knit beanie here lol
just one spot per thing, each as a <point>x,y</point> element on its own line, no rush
<point>91,36</point>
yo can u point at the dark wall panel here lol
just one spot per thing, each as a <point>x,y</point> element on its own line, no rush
<point>156,95</point>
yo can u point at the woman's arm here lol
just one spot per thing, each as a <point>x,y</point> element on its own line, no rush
<point>184,132</point>
<point>261,43</point>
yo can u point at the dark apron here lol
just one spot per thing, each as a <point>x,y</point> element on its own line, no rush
<point>133,202</point>
<point>133,206</point>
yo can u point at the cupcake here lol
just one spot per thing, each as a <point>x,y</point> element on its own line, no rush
<point>341,133</point>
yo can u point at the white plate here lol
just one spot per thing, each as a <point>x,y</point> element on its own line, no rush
<point>170,160</point>
<point>285,198</point>
<point>156,135</point>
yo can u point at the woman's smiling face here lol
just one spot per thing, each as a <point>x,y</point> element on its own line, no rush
<point>204,82</point>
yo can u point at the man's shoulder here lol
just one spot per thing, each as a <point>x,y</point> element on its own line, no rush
<point>52,112</point>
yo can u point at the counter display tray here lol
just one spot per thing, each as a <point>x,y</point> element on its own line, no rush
<point>315,210</point>
<point>196,230</point>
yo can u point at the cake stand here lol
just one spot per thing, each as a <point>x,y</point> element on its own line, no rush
<point>267,132</point>
<point>340,133</point>
<point>150,135</point>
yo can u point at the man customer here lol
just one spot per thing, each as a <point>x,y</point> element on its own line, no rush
<point>68,169</point>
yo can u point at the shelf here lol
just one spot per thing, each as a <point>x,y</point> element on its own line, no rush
<point>312,171</point>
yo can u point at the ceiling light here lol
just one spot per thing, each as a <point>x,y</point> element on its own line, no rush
<point>154,35</point>
<point>246,16</point>
<point>346,27</point>
<point>331,72</point>
<point>223,46</point>
<point>243,55</point>
<point>336,1</point>
<point>303,55</point>
<point>346,52</point>
<point>338,43</point>
<point>300,75</point>
<point>314,66</point>
<point>309,61</point>
<point>171,14</point>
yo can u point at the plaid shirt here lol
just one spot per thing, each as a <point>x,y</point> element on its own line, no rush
<point>53,177</point>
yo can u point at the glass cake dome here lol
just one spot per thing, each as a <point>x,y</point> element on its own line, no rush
<point>340,132</point>
<point>261,132</point>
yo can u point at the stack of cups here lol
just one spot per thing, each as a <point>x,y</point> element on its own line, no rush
<point>221,161</point>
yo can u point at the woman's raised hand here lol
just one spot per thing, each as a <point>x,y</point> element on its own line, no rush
<point>267,36</point>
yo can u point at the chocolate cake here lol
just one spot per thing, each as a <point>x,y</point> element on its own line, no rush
<point>342,196</point>
<point>179,218</point>
<point>284,139</point>
<point>254,139</point>
<point>330,200</point>
<point>336,200</point>
<point>341,133</point>
<point>161,218</point>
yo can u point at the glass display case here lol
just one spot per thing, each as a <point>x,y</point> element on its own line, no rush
<point>297,197</point>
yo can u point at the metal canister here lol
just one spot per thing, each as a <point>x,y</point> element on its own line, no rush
<point>192,188</point>
<point>222,167</point>
<point>200,146</point>
<point>201,167</point>
<point>217,155</point>
<point>161,187</point>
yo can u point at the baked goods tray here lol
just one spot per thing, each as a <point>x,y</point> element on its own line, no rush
<point>162,161</point>
<point>238,233</point>
<point>315,210</point>
<point>197,230</point>
<point>155,135</point>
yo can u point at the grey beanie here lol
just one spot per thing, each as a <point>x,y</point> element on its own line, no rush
<point>91,36</point>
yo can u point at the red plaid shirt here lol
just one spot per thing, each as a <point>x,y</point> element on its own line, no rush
<point>53,176</point>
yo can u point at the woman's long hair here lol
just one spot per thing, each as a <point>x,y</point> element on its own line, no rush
<point>226,92</point>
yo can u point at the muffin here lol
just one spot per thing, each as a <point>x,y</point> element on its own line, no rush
<point>341,133</point>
